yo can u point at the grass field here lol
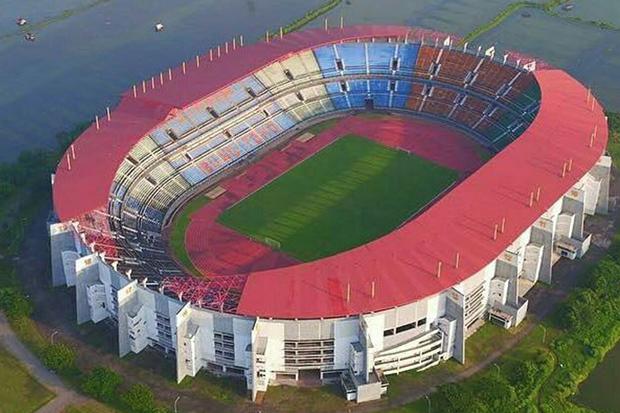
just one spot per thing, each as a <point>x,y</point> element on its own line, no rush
<point>19,391</point>
<point>179,227</point>
<point>348,194</point>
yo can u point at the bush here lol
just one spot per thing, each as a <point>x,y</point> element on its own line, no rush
<point>139,399</point>
<point>496,394</point>
<point>14,304</point>
<point>523,377</point>
<point>59,357</point>
<point>457,398</point>
<point>102,384</point>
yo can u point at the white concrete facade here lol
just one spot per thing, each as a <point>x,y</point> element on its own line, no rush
<point>358,350</point>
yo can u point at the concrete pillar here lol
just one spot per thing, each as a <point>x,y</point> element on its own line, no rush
<point>542,234</point>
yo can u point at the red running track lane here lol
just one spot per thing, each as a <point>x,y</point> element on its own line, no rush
<point>216,249</point>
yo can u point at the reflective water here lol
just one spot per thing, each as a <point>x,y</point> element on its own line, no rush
<point>88,51</point>
<point>590,54</point>
<point>600,390</point>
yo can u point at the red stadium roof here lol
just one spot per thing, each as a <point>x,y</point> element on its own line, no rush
<point>403,264</point>
<point>98,153</point>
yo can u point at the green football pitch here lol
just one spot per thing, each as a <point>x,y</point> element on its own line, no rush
<point>349,193</point>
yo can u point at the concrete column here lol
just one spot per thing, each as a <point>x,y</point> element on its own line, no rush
<point>62,239</point>
<point>455,307</point>
<point>542,234</point>
<point>602,172</point>
<point>574,203</point>
<point>87,273</point>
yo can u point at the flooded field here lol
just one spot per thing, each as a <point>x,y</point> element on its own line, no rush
<point>453,16</point>
<point>600,390</point>
<point>589,53</point>
<point>596,10</point>
<point>89,51</point>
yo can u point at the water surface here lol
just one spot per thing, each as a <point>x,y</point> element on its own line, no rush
<point>89,51</point>
<point>600,390</point>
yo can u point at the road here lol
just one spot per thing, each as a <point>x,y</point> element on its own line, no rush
<point>64,395</point>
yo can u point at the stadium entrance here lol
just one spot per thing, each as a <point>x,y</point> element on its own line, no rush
<point>310,377</point>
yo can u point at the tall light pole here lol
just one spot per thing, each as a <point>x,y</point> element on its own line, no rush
<point>498,369</point>
<point>175,403</point>
<point>544,333</point>
<point>428,399</point>
<point>52,336</point>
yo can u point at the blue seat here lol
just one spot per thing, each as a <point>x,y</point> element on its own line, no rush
<point>358,92</point>
<point>407,55</point>
<point>285,121</point>
<point>401,95</point>
<point>380,57</point>
<point>338,98</point>
<point>160,136</point>
<point>353,56</point>
<point>196,152</point>
<point>193,175</point>
<point>326,58</point>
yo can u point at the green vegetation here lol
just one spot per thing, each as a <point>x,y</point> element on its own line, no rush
<point>24,188</point>
<point>484,341</point>
<point>613,146</point>
<point>495,21</point>
<point>599,391</point>
<point>308,17</point>
<point>139,399</point>
<point>348,194</point>
<point>19,392</point>
<point>592,327</point>
<point>102,384</point>
<point>548,7</point>
<point>14,304</point>
<point>59,357</point>
<point>179,228</point>
<point>225,390</point>
<point>287,399</point>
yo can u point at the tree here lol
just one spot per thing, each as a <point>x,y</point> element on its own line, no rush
<point>14,304</point>
<point>523,377</point>
<point>59,357</point>
<point>102,383</point>
<point>496,394</point>
<point>139,399</point>
<point>457,398</point>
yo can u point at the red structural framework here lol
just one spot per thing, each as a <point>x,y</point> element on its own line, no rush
<point>451,241</point>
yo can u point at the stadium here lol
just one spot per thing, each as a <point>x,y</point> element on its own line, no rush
<point>363,199</point>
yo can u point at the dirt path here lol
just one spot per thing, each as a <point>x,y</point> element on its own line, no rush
<point>64,395</point>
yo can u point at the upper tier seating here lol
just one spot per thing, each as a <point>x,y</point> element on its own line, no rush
<point>197,144</point>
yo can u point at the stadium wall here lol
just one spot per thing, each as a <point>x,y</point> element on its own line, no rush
<point>167,142</point>
<point>359,350</point>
